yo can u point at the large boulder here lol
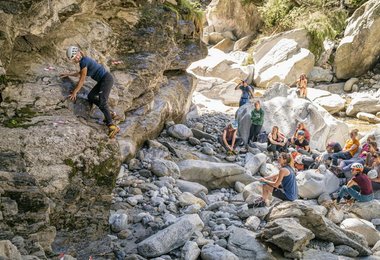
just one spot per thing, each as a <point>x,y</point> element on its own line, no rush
<point>163,167</point>
<point>286,112</point>
<point>9,251</point>
<point>363,104</point>
<point>233,15</point>
<point>363,227</point>
<point>266,44</point>
<point>213,175</point>
<point>312,184</point>
<point>333,103</point>
<point>319,74</point>
<point>283,63</point>
<point>358,50</point>
<point>220,65</point>
<point>287,234</point>
<point>256,163</point>
<point>171,237</point>
<point>366,210</point>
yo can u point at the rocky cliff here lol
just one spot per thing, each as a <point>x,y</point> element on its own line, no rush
<point>57,166</point>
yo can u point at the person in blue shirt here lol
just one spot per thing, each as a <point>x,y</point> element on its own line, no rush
<point>100,92</point>
<point>247,92</point>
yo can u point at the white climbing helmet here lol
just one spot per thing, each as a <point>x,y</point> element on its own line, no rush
<point>298,159</point>
<point>357,166</point>
<point>71,52</point>
<point>372,174</point>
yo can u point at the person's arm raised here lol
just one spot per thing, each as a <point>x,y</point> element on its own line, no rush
<point>83,74</point>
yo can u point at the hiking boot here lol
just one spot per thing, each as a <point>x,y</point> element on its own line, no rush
<point>115,117</point>
<point>112,131</point>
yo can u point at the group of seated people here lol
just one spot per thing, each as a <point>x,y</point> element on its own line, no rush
<point>358,167</point>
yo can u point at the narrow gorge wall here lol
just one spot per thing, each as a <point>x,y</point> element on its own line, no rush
<point>57,166</point>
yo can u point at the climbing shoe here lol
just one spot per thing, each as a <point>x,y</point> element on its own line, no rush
<point>112,131</point>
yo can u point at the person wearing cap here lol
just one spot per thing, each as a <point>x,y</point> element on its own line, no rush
<point>349,149</point>
<point>247,92</point>
<point>362,182</point>
<point>100,92</point>
<point>229,138</point>
<point>300,126</point>
<point>302,145</point>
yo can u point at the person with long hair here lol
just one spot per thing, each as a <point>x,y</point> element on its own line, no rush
<point>276,141</point>
<point>282,185</point>
<point>302,86</point>
<point>100,92</point>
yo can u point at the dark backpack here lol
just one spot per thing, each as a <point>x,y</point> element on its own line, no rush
<point>262,137</point>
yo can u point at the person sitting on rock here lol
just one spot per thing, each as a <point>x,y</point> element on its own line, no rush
<point>100,92</point>
<point>302,145</point>
<point>276,141</point>
<point>362,182</point>
<point>325,157</point>
<point>349,149</point>
<point>365,147</point>
<point>247,92</point>
<point>229,138</point>
<point>374,173</point>
<point>302,86</point>
<point>257,121</point>
<point>282,185</point>
<point>300,127</point>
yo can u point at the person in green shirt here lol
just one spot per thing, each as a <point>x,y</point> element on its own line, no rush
<point>257,120</point>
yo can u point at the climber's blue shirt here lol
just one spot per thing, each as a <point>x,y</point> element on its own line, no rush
<point>94,69</point>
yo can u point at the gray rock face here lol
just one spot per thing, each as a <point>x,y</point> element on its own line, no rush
<point>287,234</point>
<point>254,163</point>
<point>359,48</point>
<point>244,245</point>
<point>346,251</point>
<point>319,74</point>
<point>165,168</point>
<point>213,175</point>
<point>180,132</point>
<point>171,237</point>
<point>9,251</point>
<point>312,184</point>
<point>366,210</point>
<point>215,252</point>
<point>363,227</point>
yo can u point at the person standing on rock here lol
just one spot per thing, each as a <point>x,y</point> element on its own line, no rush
<point>282,185</point>
<point>360,180</point>
<point>247,92</point>
<point>257,121</point>
<point>100,92</point>
<point>302,86</point>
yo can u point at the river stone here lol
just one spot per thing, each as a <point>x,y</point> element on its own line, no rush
<point>192,187</point>
<point>287,234</point>
<point>346,251</point>
<point>363,104</point>
<point>9,251</point>
<point>215,252</point>
<point>363,227</point>
<point>187,199</point>
<point>252,223</point>
<point>312,184</point>
<point>118,221</point>
<point>213,175</point>
<point>180,132</point>
<point>368,117</point>
<point>349,83</point>
<point>171,237</point>
<point>190,251</point>
<point>161,167</point>
<point>245,246</point>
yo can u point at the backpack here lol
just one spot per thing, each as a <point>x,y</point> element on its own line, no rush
<point>262,137</point>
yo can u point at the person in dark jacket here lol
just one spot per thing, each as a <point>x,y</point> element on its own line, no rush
<point>247,92</point>
<point>100,92</point>
<point>257,121</point>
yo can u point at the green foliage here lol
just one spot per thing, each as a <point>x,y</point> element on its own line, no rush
<point>356,3</point>
<point>321,18</point>
<point>189,10</point>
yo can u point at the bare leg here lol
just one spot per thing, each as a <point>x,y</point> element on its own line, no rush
<point>266,191</point>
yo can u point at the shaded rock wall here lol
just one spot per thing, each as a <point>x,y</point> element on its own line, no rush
<point>57,145</point>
